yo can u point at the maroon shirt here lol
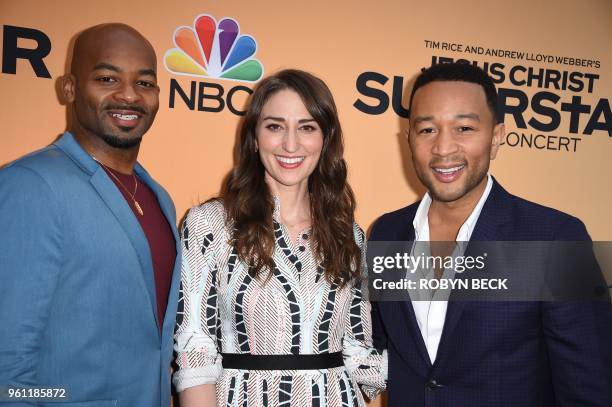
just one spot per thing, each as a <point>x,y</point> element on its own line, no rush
<point>158,233</point>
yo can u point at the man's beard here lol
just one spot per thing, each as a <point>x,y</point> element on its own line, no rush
<point>122,143</point>
<point>471,182</point>
<point>128,142</point>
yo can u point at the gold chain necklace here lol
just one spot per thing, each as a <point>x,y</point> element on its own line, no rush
<point>132,195</point>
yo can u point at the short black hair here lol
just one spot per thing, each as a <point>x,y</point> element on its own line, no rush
<point>459,72</point>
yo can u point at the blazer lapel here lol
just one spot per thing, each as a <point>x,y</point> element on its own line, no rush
<point>415,331</point>
<point>489,227</point>
<point>124,215</point>
<point>116,203</point>
<point>169,212</point>
<point>405,308</point>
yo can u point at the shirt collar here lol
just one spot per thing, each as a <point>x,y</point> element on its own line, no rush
<point>421,222</point>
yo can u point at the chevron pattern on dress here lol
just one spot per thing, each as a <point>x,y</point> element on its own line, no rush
<point>231,264</point>
<point>344,392</point>
<point>230,394</point>
<point>185,235</point>
<point>282,243</point>
<point>264,392</point>
<point>208,239</point>
<point>211,305</point>
<point>284,391</point>
<point>294,311</point>
<point>241,331</point>
<point>323,332</point>
<point>355,314</point>
<point>316,393</point>
<point>245,389</point>
<point>352,390</point>
<point>180,308</point>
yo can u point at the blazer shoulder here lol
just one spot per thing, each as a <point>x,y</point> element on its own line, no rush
<point>48,169</point>
<point>46,162</point>
<point>558,225</point>
<point>402,213</point>
<point>392,223</point>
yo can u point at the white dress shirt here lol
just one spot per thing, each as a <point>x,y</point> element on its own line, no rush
<point>430,309</point>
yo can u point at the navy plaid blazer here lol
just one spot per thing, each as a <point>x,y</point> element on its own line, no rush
<point>493,354</point>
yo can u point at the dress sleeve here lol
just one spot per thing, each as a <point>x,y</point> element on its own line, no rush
<point>367,365</point>
<point>195,338</point>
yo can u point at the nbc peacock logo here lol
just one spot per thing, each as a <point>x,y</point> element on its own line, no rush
<point>214,50</point>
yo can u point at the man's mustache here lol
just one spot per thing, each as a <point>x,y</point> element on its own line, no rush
<point>436,162</point>
<point>134,108</point>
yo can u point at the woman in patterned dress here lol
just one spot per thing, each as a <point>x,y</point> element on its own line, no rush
<point>272,311</point>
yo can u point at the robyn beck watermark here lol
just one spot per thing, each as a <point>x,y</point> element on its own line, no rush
<point>488,271</point>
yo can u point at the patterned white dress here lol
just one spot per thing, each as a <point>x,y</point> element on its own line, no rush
<point>296,311</point>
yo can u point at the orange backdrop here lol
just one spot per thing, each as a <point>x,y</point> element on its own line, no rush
<point>189,151</point>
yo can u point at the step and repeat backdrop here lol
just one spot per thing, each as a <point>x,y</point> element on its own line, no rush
<point>551,61</point>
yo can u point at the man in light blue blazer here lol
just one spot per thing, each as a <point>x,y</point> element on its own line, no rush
<point>88,246</point>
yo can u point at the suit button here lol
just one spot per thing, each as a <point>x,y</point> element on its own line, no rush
<point>433,385</point>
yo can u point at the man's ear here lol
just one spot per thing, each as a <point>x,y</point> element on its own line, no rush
<point>68,87</point>
<point>499,131</point>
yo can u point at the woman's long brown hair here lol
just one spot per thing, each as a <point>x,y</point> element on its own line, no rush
<point>250,205</point>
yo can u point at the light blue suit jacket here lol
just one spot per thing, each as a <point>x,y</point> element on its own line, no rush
<point>77,290</point>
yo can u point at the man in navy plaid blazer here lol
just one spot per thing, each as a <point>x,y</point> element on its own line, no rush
<point>469,353</point>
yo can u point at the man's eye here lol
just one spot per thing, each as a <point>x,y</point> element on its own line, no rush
<point>147,84</point>
<point>106,79</point>
<point>427,130</point>
<point>463,129</point>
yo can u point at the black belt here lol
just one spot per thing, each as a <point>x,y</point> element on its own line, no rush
<point>247,361</point>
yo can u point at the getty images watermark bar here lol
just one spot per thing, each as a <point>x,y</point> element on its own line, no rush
<point>488,271</point>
